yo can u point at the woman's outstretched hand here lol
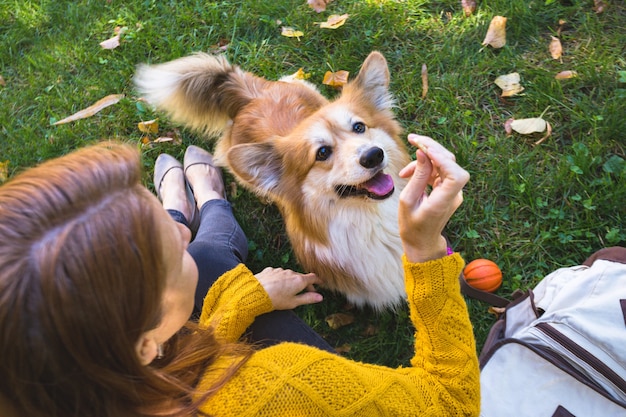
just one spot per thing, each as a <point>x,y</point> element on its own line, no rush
<point>422,215</point>
<point>288,289</point>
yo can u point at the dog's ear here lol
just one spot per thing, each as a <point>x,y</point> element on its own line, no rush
<point>373,81</point>
<point>257,164</point>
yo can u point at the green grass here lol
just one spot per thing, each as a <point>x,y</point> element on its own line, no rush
<point>529,208</point>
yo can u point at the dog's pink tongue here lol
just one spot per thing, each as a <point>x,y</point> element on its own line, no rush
<point>381,184</point>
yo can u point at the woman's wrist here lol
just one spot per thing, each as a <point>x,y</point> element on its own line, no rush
<point>426,253</point>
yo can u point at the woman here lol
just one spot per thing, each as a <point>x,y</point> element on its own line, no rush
<point>96,280</point>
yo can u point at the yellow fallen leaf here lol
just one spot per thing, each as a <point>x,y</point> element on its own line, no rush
<point>334,21</point>
<point>496,34</point>
<point>318,5</point>
<point>556,50</point>
<point>564,75</point>
<point>336,79</point>
<point>468,7</point>
<point>93,109</point>
<point>291,32</point>
<point>337,320</point>
<point>4,171</point>
<point>529,126</point>
<point>150,126</point>
<point>298,75</point>
<point>510,84</point>
<point>424,81</point>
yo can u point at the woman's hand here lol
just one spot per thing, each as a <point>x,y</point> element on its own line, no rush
<point>288,289</point>
<point>422,216</point>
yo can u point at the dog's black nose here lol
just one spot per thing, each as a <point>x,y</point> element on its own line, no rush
<point>372,157</point>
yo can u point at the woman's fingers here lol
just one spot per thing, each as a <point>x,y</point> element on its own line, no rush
<point>288,289</point>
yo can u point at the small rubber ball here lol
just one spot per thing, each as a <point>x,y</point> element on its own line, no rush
<point>483,274</point>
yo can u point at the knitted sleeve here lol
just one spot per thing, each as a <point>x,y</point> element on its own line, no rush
<point>444,340</point>
<point>233,302</point>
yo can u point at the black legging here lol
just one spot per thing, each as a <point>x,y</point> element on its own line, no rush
<point>219,246</point>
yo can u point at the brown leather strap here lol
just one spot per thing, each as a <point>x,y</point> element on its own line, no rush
<point>615,254</point>
<point>491,299</point>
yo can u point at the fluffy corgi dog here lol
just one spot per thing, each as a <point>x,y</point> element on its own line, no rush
<point>331,167</point>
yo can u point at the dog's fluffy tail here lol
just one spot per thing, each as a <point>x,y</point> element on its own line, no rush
<point>200,91</point>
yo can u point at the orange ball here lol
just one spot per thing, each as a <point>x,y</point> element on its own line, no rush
<point>483,274</point>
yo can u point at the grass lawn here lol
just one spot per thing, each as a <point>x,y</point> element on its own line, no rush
<point>530,208</point>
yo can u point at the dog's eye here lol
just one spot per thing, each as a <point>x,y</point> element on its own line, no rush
<point>323,153</point>
<point>358,127</point>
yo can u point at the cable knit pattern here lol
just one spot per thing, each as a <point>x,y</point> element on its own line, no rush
<point>296,380</point>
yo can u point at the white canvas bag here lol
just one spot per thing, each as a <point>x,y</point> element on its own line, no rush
<point>560,349</point>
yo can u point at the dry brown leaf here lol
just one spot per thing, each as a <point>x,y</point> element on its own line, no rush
<point>334,21</point>
<point>560,28</point>
<point>336,79</point>
<point>4,171</point>
<point>510,84</point>
<point>370,330</point>
<point>497,311</point>
<point>556,50</point>
<point>507,127</point>
<point>338,320</point>
<point>318,5</point>
<point>93,109</point>
<point>150,126</point>
<point>2,82</point>
<point>424,81</point>
<point>345,348</point>
<point>599,6</point>
<point>291,32</point>
<point>469,6</point>
<point>564,75</point>
<point>496,34</point>
<point>111,43</point>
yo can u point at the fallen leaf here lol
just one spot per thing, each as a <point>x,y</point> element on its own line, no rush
<point>547,135</point>
<point>336,79</point>
<point>150,126</point>
<point>496,34</point>
<point>560,28</point>
<point>111,43</point>
<point>497,311</point>
<point>507,127</point>
<point>599,6</point>
<point>370,330</point>
<point>145,140</point>
<point>4,171</point>
<point>424,81</point>
<point>93,109</point>
<point>556,50</point>
<point>510,84</point>
<point>529,126</point>
<point>291,32</point>
<point>220,46</point>
<point>334,21</point>
<point>298,75</point>
<point>114,42</point>
<point>469,6</point>
<point>2,82</point>
<point>564,75</point>
<point>318,5</point>
<point>338,320</point>
<point>345,348</point>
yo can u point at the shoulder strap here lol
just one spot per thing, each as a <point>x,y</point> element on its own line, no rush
<point>491,299</point>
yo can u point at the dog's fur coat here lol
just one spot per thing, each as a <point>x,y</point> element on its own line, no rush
<point>321,162</point>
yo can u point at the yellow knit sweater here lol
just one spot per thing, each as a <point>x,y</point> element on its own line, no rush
<point>291,379</point>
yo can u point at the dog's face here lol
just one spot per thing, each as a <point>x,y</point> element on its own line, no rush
<point>344,152</point>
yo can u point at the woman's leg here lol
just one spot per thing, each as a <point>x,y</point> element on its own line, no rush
<point>219,246</point>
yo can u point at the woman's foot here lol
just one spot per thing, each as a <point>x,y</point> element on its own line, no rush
<point>204,178</point>
<point>169,181</point>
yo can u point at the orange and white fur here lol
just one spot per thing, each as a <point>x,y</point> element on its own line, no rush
<point>331,167</point>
